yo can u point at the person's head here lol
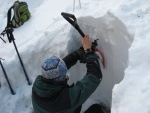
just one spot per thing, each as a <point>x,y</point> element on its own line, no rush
<point>54,69</point>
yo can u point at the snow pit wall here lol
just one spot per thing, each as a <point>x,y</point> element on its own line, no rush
<point>114,42</point>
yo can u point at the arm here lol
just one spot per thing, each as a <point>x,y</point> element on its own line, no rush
<point>71,59</point>
<point>84,88</point>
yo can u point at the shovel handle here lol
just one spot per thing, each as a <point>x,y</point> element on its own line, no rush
<point>73,21</point>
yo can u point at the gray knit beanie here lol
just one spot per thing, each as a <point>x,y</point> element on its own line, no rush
<point>54,68</point>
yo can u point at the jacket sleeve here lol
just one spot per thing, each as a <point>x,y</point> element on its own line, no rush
<point>71,59</point>
<point>80,92</point>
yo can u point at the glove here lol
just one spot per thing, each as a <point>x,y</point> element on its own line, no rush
<point>81,55</point>
<point>94,44</point>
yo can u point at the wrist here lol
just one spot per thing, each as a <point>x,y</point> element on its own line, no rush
<point>88,50</point>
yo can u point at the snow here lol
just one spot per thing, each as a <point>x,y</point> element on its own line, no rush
<point>122,29</point>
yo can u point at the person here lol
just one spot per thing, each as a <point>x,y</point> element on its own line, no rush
<point>52,94</point>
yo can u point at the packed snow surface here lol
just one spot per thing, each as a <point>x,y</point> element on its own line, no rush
<point>122,29</point>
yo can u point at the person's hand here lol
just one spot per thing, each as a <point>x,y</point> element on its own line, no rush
<point>86,42</point>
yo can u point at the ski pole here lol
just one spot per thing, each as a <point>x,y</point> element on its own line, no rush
<point>12,91</point>
<point>3,33</point>
<point>11,38</point>
<point>75,3</point>
<point>22,63</point>
<point>3,39</point>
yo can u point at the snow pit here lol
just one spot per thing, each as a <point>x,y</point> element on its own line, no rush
<point>54,39</point>
<point>114,41</point>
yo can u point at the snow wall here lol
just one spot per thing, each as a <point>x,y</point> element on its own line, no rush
<point>114,41</point>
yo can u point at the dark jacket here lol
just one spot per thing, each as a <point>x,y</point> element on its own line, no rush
<point>52,97</point>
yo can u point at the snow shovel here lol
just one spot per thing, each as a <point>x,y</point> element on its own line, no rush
<point>12,91</point>
<point>73,21</point>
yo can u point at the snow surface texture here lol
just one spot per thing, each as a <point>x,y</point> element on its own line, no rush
<point>115,23</point>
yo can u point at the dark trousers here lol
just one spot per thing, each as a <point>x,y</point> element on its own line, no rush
<point>95,108</point>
